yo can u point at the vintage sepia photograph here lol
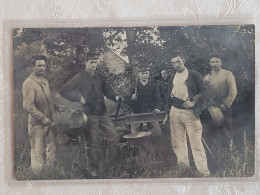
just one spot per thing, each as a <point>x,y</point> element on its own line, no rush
<point>134,102</point>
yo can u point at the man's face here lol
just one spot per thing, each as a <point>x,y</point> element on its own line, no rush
<point>39,67</point>
<point>144,76</point>
<point>215,63</point>
<point>164,74</point>
<point>178,64</point>
<point>91,64</point>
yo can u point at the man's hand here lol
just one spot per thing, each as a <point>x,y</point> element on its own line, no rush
<point>46,121</point>
<point>223,107</point>
<point>188,104</point>
<point>134,96</point>
<point>119,99</point>
<point>156,110</point>
<point>82,100</point>
<point>165,119</point>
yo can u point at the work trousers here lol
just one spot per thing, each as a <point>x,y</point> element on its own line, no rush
<point>97,127</point>
<point>183,122</point>
<point>42,141</point>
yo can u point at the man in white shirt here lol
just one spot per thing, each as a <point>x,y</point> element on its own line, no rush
<point>186,94</point>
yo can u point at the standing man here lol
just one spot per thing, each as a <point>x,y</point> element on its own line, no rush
<point>222,91</point>
<point>38,103</point>
<point>145,98</point>
<point>186,94</point>
<point>89,88</point>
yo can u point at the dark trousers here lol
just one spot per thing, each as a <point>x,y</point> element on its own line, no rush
<point>164,148</point>
<point>97,128</point>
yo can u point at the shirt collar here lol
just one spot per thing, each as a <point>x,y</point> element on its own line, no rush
<point>144,83</point>
<point>183,72</point>
<point>213,72</point>
<point>92,74</point>
<point>39,80</point>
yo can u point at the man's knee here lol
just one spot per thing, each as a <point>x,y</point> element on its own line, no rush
<point>196,143</point>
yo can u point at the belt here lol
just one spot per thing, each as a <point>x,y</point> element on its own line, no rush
<point>177,103</point>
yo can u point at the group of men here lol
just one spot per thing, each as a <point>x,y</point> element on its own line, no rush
<point>182,96</point>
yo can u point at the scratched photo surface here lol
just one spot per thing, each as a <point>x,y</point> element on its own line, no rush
<point>112,124</point>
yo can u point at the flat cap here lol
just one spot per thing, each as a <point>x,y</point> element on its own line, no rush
<point>143,67</point>
<point>92,54</point>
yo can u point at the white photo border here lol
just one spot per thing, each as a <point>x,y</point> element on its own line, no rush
<point>143,184</point>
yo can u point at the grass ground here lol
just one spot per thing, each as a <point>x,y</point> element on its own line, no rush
<point>230,161</point>
<point>237,159</point>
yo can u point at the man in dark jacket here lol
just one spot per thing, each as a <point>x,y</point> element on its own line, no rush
<point>89,88</point>
<point>186,94</point>
<point>145,98</point>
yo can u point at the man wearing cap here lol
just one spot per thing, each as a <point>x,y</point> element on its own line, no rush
<point>145,98</point>
<point>186,94</point>
<point>89,88</point>
<point>222,90</point>
<point>37,101</point>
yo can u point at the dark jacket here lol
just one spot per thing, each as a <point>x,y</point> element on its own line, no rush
<point>196,88</point>
<point>147,100</point>
<point>93,88</point>
<point>37,100</point>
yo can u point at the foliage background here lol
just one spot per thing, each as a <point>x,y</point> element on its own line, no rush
<point>66,47</point>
